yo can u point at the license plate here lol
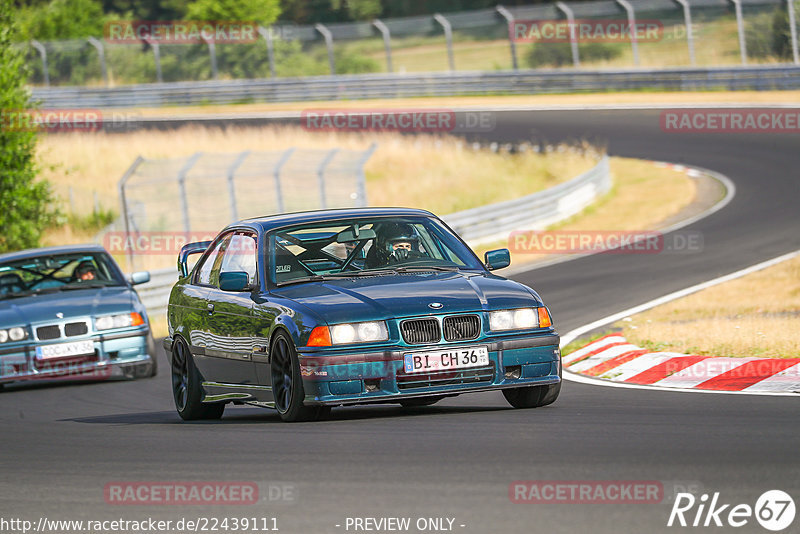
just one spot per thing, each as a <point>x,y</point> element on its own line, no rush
<point>63,350</point>
<point>446,359</point>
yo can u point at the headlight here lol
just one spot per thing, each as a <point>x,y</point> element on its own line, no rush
<point>518,319</point>
<point>359,332</point>
<point>3,336</point>
<point>17,333</point>
<point>121,320</point>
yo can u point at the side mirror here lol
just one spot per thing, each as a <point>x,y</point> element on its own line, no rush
<point>497,259</point>
<point>140,277</point>
<point>234,281</point>
<point>186,251</point>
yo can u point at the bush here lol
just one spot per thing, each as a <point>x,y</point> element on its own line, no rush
<point>768,35</point>
<point>560,54</point>
<point>24,201</point>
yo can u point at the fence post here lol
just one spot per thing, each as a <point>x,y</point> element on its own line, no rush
<point>687,20</point>
<point>232,187</point>
<point>277,174</point>
<point>187,227</point>
<point>362,179</point>
<point>321,176</point>
<point>387,42</point>
<point>632,23</point>
<point>267,35</point>
<point>740,26</point>
<point>125,213</point>
<point>573,40</point>
<point>448,35</point>
<point>212,54</point>
<point>156,57</point>
<point>506,14</point>
<point>328,36</point>
<point>43,53</point>
<point>102,55</point>
<point>793,30</point>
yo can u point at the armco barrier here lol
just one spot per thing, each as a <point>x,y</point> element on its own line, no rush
<point>355,87</point>
<point>478,225</point>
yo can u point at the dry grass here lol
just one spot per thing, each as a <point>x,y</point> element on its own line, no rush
<point>643,195</point>
<point>758,315</point>
<point>438,173</point>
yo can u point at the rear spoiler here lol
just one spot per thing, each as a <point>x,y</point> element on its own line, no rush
<point>187,250</point>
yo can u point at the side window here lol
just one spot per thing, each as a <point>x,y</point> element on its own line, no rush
<point>211,263</point>
<point>240,255</point>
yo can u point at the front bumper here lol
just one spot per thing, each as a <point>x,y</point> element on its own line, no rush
<point>120,354</point>
<point>340,378</point>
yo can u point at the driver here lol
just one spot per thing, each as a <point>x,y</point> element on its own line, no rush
<point>85,271</point>
<point>394,243</point>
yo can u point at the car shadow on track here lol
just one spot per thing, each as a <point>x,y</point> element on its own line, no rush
<point>244,416</point>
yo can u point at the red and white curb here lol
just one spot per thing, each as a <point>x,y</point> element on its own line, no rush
<point>612,358</point>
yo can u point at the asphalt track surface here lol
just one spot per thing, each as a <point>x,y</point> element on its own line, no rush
<point>61,445</point>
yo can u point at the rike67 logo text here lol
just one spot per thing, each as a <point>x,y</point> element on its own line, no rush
<point>774,510</point>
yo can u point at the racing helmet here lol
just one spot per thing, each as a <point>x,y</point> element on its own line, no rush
<point>85,267</point>
<point>389,235</point>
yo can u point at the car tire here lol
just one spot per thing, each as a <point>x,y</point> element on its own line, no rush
<point>532,396</point>
<point>419,402</point>
<point>287,383</point>
<point>187,389</point>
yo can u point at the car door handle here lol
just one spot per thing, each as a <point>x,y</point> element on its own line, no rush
<point>210,308</point>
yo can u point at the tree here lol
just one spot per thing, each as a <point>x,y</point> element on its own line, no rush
<point>263,12</point>
<point>24,200</point>
<point>61,19</point>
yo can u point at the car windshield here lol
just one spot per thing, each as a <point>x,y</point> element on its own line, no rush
<point>57,272</point>
<point>365,246</point>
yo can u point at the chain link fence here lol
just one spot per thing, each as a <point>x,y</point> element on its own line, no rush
<point>200,194</point>
<point>695,32</point>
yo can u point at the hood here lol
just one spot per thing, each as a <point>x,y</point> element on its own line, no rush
<point>408,295</point>
<point>75,303</point>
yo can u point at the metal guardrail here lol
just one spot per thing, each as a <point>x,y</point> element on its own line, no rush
<point>155,293</point>
<point>477,225</point>
<point>363,86</point>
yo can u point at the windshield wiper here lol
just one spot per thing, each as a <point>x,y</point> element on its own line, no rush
<point>336,276</point>
<point>415,268</point>
<point>374,272</point>
<point>83,285</point>
<point>314,278</point>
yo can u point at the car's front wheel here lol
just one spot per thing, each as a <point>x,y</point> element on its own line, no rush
<point>532,396</point>
<point>287,384</point>
<point>187,389</point>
